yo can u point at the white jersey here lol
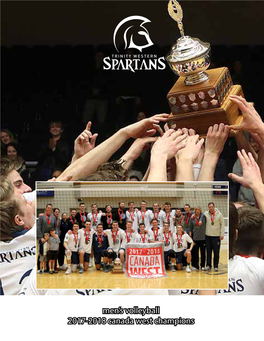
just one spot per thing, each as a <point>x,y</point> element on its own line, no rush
<point>86,240</point>
<point>246,276</point>
<point>168,240</point>
<point>169,218</point>
<point>144,217</point>
<point>142,238</point>
<point>183,241</point>
<point>155,235</point>
<point>73,241</point>
<point>29,288</point>
<point>115,239</point>
<point>17,259</point>
<point>160,216</point>
<point>95,219</point>
<point>128,238</point>
<point>132,217</point>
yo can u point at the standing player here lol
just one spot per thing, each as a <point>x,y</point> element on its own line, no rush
<point>187,218</point>
<point>169,216</point>
<point>72,219</point>
<point>81,216</point>
<point>155,233</point>
<point>181,248</point>
<point>130,234</point>
<point>56,213</point>
<point>107,217</point>
<point>168,238</point>
<point>115,238</point>
<point>214,233</point>
<point>158,214</point>
<point>143,235</point>
<point>85,246</point>
<point>120,216</point>
<point>71,244</point>
<point>179,217</point>
<point>197,232</point>
<point>100,245</point>
<point>131,215</point>
<point>144,215</point>
<point>94,216</point>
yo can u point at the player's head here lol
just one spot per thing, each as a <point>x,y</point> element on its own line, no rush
<point>56,212</point>
<point>156,207</point>
<point>9,170</point>
<point>87,224</point>
<point>16,212</point>
<point>94,207</point>
<point>52,232</point>
<point>100,228</point>
<point>154,223</point>
<point>73,213</point>
<point>178,212</point>
<point>115,225</point>
<point>131,205</point>
<point>250,239</point>
<point>179,229</point>
<point>121,205</point>
<point>129,225</point>
<point>166,226</point>
<point>108,208</point>
<point>167,206</point>
<point>141,227</point>
<point>82,207</point>
<point>49,209</point>
<point>187,208</point>
<point>233,225</point>
<point>46,236</point>
<point>75,227</point>
<point>143,204</point>
<point>197,211</point>
<point>211,207</point>
<point>110,171</point>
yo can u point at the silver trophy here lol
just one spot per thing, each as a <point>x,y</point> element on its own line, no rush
<point>189,57</point>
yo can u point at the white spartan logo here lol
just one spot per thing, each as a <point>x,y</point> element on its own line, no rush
<point>131,43</point>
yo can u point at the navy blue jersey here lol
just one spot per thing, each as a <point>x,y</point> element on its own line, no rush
<point>96,247</point>
<point>64,228</point>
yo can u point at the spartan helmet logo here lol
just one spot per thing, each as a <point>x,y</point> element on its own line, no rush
<point>131,43</point>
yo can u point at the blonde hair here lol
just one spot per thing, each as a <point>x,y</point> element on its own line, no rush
<point>9,208</point>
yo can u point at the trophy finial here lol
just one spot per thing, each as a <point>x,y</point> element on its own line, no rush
<point>176,13</point>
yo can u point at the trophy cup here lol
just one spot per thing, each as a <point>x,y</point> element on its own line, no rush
<point>198,99</point>
<point>118,267</point>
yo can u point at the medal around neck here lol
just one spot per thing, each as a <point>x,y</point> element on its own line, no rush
<point>198,99</point>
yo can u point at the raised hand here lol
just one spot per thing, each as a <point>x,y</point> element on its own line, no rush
<point>84,143</point>
<point>252,122</point>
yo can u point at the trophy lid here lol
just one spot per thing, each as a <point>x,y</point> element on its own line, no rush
<point>187,48</point>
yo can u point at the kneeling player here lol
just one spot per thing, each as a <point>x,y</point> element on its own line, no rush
<point>86,239</point>
<point>71,244</point>
<point>181,248</point>
<point>100,245</point>
<point>168,237</point>
<point>115,239</point>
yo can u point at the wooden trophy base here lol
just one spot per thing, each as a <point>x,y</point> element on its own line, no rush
<point>117,269</point>
<point>203,105</point>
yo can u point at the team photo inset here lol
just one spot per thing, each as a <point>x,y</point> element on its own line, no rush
<point>132,235</point>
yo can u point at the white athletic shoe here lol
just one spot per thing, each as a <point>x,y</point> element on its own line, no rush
<point>68,272</point>
<point>215,269</point>
<point>194,268</point>
<point>207,268</point>
<point>184,267</point>
<point>203,269</point>
<point>63,267</point>
<point>188,269</point>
